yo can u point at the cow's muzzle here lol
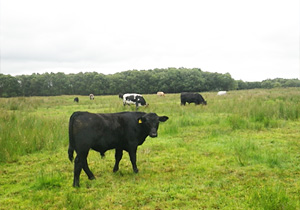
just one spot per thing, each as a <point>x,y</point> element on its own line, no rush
<point>153,134</point>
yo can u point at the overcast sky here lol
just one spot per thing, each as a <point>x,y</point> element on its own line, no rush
<point>253,40</point>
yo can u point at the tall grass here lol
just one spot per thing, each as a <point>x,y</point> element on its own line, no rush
<point>25,128</point>
<point>249,152</point>
<point>269,198</point>
<point>23,133</point>
<point>258,109</point>
<point>36,123</point>
<point>260,104</point>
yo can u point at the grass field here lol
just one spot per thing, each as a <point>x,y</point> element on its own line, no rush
<point>241,151</point>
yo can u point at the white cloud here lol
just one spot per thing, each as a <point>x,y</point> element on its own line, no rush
<point>252,40</point>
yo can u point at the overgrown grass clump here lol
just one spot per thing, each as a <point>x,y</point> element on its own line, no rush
<point>272,197</point>
<point>23,133</point>
<point>241,151</point>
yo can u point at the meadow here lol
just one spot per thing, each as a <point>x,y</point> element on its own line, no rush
<point>241,151</point>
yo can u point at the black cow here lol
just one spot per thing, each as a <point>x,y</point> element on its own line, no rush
<point>102,132</point>
<point>76,99</point>
<point>192,98</point>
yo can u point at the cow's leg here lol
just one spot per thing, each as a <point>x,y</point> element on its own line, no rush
<point>118,157</point>
<point>77,171</point>
<point>136,106</point>
<point>132,155</point>
<point>87,169</point>
<point>81,163</point>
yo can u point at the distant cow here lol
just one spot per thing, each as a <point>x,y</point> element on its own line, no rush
<point>192,98</point>
<point>92,97</point>
<point>160,93</point>
<point>220,93</point>
<point>133,98</point>
<point>76,99</point>
<point>102,132</point>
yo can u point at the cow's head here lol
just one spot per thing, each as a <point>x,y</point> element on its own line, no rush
<point>151,122</point>
<point>140,101</point>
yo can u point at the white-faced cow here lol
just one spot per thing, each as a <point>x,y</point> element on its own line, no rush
<point>192,98</point>
<point>76,99</point>
<point>102,132</point>
<point>92,97</point>
<point>160,93</point>
<point>133,98</point>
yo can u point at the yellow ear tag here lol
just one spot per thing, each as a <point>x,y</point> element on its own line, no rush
<point>140,121</point>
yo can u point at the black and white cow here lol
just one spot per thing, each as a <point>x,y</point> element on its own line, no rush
<point>92,97</point>
<point>102,132</point>
<point>134,98</point>
<point>76,99</point>
<point>192,98</point>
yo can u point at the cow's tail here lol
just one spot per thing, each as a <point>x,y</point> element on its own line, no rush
<point>71,137</point>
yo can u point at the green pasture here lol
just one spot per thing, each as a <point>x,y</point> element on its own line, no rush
<point>241,151</point>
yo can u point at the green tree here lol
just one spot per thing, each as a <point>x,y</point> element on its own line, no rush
<point>99,84</point>
<point>9,86</point>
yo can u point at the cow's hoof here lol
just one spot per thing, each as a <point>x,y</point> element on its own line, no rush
<point>92,178</point>
<point>136,170</point>
<point>76,185</point>
<point>115,170</point>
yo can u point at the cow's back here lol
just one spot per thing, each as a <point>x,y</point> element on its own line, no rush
<point>100,124</point>
<point>196,98</point>
<point>187,97</point>
<point>103,132</point>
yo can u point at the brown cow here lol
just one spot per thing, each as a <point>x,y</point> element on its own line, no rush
<point>160,93</point>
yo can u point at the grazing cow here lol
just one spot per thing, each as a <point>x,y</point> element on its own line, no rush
<point>160,93</point>
<point>192,98</point>
<point>121,95</point>
<point>133,98</point>
<point>221,93</point>
<point>92,97</point>
<point>102,132</point>
<point>76,99</point>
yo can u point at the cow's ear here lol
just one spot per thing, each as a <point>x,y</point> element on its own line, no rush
<point>163,118</point>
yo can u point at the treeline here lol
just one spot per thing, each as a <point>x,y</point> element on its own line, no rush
<point>171,80</point>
